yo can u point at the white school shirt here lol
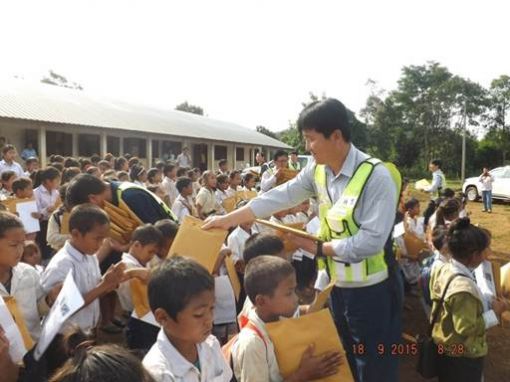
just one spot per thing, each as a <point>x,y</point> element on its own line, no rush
<point>166,364</point>
<point>86,274</point>
<point>207,199</point>
<point>170,189</point>
<point>179,208</point>
<point>220,197</point>
<point>14,166</point>
<point>417,226</point>
<point>268,180</point>
<point>44,200</point>
<point>55,239</point>
<point>236,242</point>
<point>124,289</point>
<point>254,358</point>
<point>26,289</point>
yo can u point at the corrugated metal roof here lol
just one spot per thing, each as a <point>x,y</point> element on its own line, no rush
<point>41,102</point>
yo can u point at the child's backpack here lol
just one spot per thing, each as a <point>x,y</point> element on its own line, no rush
<point>228,347</point>
<point>424,279</point>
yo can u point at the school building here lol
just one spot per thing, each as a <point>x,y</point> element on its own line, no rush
<point>70,122</point>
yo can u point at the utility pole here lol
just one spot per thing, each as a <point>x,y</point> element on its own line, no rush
<point>463,165</point>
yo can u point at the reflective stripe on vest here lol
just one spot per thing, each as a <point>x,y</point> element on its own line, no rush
<point>338,222</point>
<point>127,185</point>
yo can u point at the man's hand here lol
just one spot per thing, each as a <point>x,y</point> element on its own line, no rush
<point>221,222</point>
<point>303,243</point>
<point>36,215</point>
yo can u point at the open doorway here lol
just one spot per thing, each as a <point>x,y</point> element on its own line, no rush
<point>200,156</point>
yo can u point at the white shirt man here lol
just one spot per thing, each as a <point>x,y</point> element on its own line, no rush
<point>184,159</point>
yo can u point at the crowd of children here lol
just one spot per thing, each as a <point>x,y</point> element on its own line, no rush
<point>169,309</point>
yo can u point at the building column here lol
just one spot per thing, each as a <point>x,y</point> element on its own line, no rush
<point>121,146</point>
<point>103,144</point>
<point>74,149</point>
<point>210,157</point>
<point>235,157</point>
<point>230,156</point>
<point>148,151</point>
<point>41,143</point>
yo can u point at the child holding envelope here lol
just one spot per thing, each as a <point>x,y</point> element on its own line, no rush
<point>270,283</point>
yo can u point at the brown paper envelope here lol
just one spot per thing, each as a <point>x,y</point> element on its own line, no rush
<point>10,203</point>
<point>140,297</point>
<point>201,245</point>
<point>496,272</point>
<point>232,275</point>
<point>288,174</point>
<point>64,223</point>
<point>230,203</point>
<point>113,207</point>
<point>288,229</point>
<point>322,298</point>
<point>414,245</point>
<point>11,304</point>
<point>505,280</point>
<point>292,336</point>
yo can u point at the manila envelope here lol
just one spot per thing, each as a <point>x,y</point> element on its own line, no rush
<point>322,298</point>
<point>201,245</point>
<point>232,275</point>
<point>414,245</point>
<point>12,305</point>
<point>288,245</point>
<point>496,274</point>
<point>230,203</point>
<point>505,280</point>
<point>288,174</point>
<point>246,195</point>
<point>64,223</point>
<point>292,336</point>
<point>10,203</point>
<point>140,297</point>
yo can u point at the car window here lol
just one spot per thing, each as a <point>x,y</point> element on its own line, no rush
<point>303,162</point>
<point>506,174</point>
<point>498,173</point>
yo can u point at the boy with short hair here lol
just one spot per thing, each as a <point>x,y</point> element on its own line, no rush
<point>183,205</point>
<point>22,188</point>
<point>31,166</point>
<point>7,178</point>
<point>145,243</point>
<point>181,296</point>
<point>168,229</point>
<point>89,226</point>
<point>270,283</point>
<point>8,163</point>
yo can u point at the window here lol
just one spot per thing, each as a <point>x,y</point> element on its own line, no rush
<point>155,148</point>
<point>88,145</point>
<point>59,143</point>
<point>220,152</point>
<point>170,150</point>
<point>239,154</point>
<point>113,145</point>
<point>31,137</point>
<point>136,147</point>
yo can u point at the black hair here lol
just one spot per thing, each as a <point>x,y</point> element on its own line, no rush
<point>465,239</point>
<point>325,117</point>
<point>293,152</point>
<point>278,154</point>
<point>85,217</point>
<point>133,161</point>
<point>262,244</point>
<point>135,172</point>
<point>6,175</point>
<point>234,173</point>
<point>160,165</point>
<point>263,275</point>
<point>448,210</point>
<point>151,174</point>
<point>20,184</point>
<point>168,169</point>
<point>71,162</point>
<point>8,221</point>
<point>62,191</point>
<point>182,171</point>
<point>81,187</point>
<point>69,173</point>
<point>247,177</point>
<point>57,165</point>
<point>222,162</point>
<point>448,193</point>
<point>147,234</point>
<point>92,169</point>
<point>8,148</point>
<point>168,228</point>
<point>95,159</point>
<point>411,203</point>
<point>121,174</point>
<point>439,235</point>
<point>175,282</point>
<point>221,179</point>
<point>31,160</point>
<point>104,164</point>
<point>182,183</point>
<point>49,173</point>
<point>437,162</point>
<point>109,156</point>
<point>119,163</point>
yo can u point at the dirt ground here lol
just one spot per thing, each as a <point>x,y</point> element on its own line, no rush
<point>497,363</point>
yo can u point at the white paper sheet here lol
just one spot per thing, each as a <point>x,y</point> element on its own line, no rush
<point>485,281</point>
<point>225,305</point>
<point>148,318</point>
<point>399,230</point>
<point>25,211</point>
<point>68,302</point>
<point>16,346</point>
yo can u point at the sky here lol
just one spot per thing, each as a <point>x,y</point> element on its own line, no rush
<point>249,62</point>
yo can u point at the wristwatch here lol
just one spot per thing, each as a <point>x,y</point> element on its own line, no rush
<point>319,249</point>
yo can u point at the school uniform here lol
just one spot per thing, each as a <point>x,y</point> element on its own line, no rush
<point>26,288</point>
<point>87,276</point>
<point>166,364</point>
<point>236,242</point>
<point>220,197</point>
<point>253,354</point>
<point>170,189</point>
<point>207,200</point>
<point>139,334</point>
<point>14,166</point>
<point>182,207</point>
<point>54,237</point>
<point>44,199</point>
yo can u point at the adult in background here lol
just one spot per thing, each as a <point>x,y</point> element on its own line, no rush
<point>184,158</point>
<point>486,180</point>
<point>260,160</point>
<point>436,188</point>
<point>294,162</point>
<point>8,163</point>
<point>28,152</point>
<point>273,174</point>
<point>357,192</point>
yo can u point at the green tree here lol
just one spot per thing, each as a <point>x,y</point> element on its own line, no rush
<point>189,108</point>
<point>497,121</point>
<point>264,130</point>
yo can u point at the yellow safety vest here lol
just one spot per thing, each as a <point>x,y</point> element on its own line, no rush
<point>338,222</point>
<point>295,167</point>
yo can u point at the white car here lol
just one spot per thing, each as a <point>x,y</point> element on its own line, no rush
<point>500,186</point>
<point>304,159</point>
